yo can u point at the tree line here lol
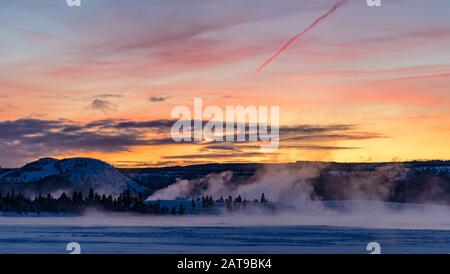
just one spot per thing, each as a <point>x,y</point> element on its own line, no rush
<point>76,203</point>
<point>232,204</point>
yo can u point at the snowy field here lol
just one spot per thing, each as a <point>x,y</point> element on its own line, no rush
<point>331,227</point>
<point>253,240</point>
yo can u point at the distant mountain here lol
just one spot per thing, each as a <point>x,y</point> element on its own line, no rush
<point>76,173</point>
<point>157,178</point>
<point>406,182</point>
<point>427,181</point>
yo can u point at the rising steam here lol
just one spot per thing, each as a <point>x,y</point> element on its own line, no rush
<point>284,185</point>
<point>292,189</point>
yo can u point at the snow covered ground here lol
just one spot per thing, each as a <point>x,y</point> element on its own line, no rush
<point>248,240</point>
<point>333,227</point>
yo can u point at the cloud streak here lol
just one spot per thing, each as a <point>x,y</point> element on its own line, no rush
<point>291,41</point>
<point>158,99</point>
<point>26,139</point>
<point>103,105</point>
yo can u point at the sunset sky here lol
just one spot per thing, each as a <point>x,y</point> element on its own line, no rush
<point>364,85</point>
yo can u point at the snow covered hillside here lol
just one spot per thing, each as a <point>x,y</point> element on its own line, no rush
<point>76,171</point>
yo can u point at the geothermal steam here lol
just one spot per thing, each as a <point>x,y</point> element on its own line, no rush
<point>288,186</point>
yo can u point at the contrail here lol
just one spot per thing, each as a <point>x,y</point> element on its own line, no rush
<point>339,4</point>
